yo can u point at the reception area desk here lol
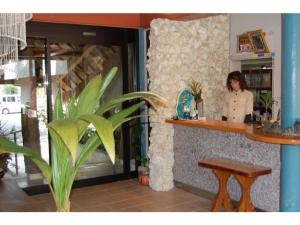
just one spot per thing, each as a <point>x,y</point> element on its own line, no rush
<point>196,140</point>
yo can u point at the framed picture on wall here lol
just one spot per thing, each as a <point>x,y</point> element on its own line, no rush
<point>258,42</point>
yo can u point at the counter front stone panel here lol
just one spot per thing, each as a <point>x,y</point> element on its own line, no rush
<point>193,144</point>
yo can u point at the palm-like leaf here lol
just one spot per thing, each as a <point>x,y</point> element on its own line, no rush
<point>58,108</point>
<point>105,132</point>
<point>118,117</point>
<point>89,147</point>
<point>128,97</point>
<point>8,146</point>
<point>63,172</point>
<point>72,107</point>
<point>88,98</point>
<point>67,129</point>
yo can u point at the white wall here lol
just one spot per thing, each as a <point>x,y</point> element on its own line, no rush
<point>271,25</point>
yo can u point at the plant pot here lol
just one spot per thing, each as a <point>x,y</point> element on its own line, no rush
<point>67,207</point>
<point>143,171</point>
<point>143,175</point>
<point>200,109</point>
<point>267,126</point>
<point>144,180</point>
<point>266,116</point>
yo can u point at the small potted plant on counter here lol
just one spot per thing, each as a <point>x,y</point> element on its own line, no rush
<point>269,124</point>
<point>197,93</point>
<point>266,101</point>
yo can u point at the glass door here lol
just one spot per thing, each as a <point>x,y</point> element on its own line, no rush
<point>68,60</point>
<point>72,67</point>
<point>23,110</point>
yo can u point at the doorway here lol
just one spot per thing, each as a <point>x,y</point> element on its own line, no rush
<point>66,57</point>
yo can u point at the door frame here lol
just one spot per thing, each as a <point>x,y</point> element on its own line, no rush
<point>105,36</point>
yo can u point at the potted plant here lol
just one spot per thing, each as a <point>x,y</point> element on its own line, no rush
<point>269,125</point>
<point>69,126</point>
<point>197,93</point>
<point>143,171</point>
<point>266,101</point>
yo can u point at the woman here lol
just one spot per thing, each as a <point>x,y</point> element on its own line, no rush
<point>238,102</point>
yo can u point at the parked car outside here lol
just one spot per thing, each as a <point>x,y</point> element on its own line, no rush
<point>10,104</point>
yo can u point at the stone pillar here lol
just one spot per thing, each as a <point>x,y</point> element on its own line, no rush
<point>180,51</point>
<point>290,104</point>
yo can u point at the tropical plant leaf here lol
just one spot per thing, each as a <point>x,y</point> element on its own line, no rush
<point>72,107</point>
<point>106,81</point>
<point>89,97</point>
<point>266,100</point>
<point>62,171</point>
<point>7,146</point>
<point>105,131</point>
<point>127,97</point>
<point>94,141</point>
<point>67,130</point>
<point>82,127</point>
<point>196,90</point>
<point>119,116</point>
<point>88,148</point>
<point>152,103</point>
<point>58,112</point>
<point>119,121</point>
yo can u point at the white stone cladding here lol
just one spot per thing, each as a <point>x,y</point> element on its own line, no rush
<point>179,51</point>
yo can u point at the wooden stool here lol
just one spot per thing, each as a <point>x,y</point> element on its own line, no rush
<point>244,173</point>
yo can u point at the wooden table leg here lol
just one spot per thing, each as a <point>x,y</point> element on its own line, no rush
<point>222,196</point>
<point>245,204</point>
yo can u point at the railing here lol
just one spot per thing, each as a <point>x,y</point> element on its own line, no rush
<point>14,133</point>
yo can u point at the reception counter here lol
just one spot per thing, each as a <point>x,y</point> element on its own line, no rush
<point>196,140</point>
<point>250,131</point>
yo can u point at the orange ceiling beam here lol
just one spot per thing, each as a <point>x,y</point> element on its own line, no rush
<point>126,20</point>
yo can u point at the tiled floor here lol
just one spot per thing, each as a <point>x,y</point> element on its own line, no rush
<point>121,196</point>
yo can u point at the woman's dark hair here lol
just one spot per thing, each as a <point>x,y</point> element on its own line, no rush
<point>238,76</point>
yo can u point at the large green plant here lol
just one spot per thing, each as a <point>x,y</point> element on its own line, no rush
<point>68,128</point>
